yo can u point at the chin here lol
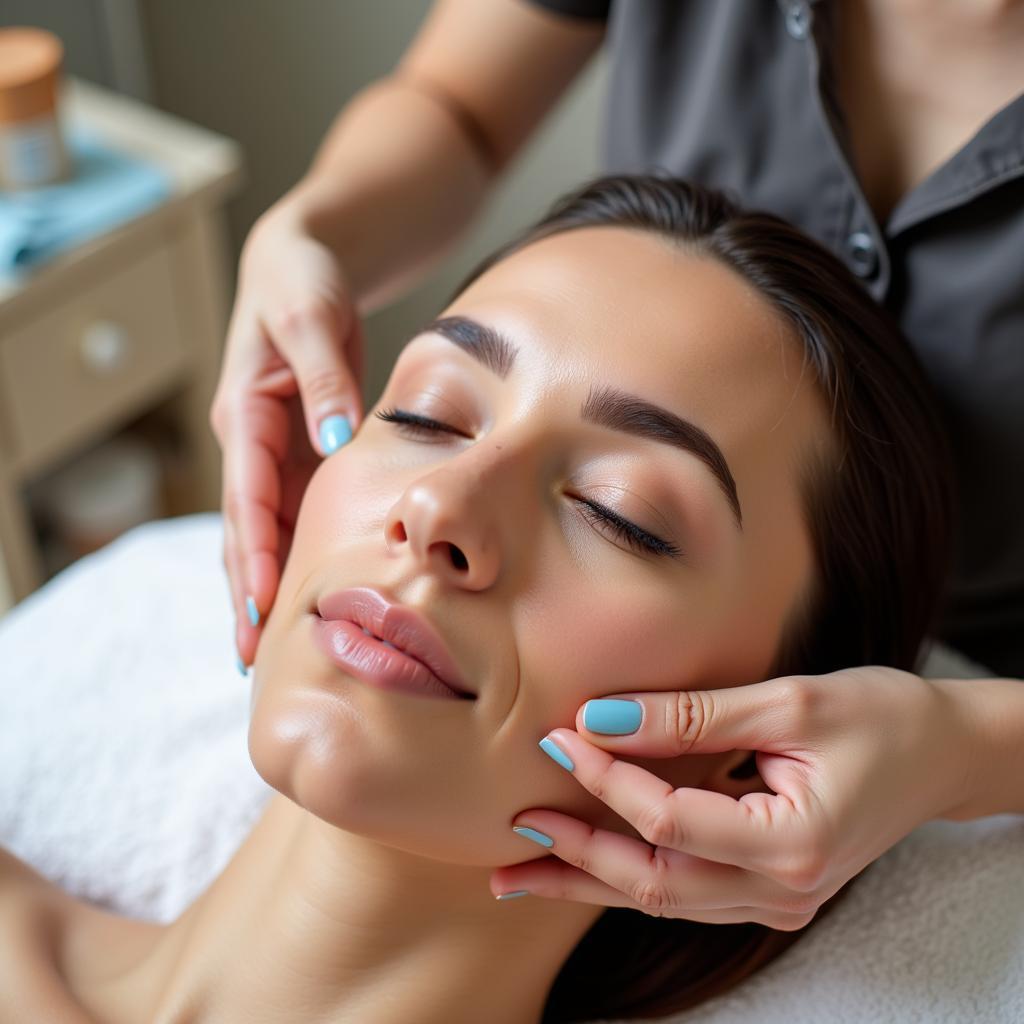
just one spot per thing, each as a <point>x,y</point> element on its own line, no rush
<point>336,775</point>
<point>401,771</point>
<point>352,797</point>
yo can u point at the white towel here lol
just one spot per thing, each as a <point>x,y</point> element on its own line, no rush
<point>125,779</point>
<point>124,767</point>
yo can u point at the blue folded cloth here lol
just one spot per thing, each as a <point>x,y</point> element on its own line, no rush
<point>108,187</point>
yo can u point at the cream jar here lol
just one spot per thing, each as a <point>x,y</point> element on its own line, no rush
<point>32,151</point>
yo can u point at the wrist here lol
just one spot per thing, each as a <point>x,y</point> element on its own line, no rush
<point>297,211</point>
<point>313,207</point>
<point>293,218</point>
<point>989,716</point>
<point>964,748</point>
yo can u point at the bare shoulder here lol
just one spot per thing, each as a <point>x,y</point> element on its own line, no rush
<point>49,938</point>
<point>30,934</point>
<point>26,896</point>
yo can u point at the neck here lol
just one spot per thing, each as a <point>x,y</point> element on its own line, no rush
<point>308,916</point>
<point>950,14</point>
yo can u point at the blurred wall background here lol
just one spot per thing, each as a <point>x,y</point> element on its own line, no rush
<point>273,75</point>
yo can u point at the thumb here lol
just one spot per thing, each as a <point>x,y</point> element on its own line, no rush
<point>329,388</point>
<point>666,724</point>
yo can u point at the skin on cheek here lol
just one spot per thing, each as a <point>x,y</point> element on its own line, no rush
<point>613,638</point>
<point>345,500</point>
<point>579,649</point>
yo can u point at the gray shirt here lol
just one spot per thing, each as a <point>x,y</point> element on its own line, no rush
<point>738,94</point>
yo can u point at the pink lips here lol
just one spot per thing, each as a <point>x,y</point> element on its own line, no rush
<point>418,660</point>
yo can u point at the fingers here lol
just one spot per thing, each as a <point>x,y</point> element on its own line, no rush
<point>253,445</point>
<point>245,643</point>
<point>555,878</point>
<point>653,877</point>
<point>757,716</point>
<point>755,833</point>
<point>294,327</point>
<point>315,340</point>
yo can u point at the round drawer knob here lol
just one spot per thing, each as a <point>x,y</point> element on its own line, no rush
<point>104,346</point>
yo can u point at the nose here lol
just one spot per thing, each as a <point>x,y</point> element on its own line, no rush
<point>447,520</point>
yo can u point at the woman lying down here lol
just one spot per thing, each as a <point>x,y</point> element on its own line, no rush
<point>656,442</point>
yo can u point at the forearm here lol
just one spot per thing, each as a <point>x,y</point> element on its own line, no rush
<point>398,177</point>
<point>993,717</point>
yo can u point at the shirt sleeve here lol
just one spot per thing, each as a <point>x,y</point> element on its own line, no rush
<point>594,10</point>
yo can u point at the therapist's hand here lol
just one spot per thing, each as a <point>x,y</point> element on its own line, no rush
<point>293,366</point>
<point>855,761</point>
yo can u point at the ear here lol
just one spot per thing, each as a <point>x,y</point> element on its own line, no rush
<point>736,775</point>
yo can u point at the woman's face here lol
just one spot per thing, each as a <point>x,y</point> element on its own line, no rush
<point>546,607</point>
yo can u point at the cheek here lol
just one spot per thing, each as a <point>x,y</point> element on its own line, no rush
<point>609,637</point>
<point>618,636</point>
<point>344,500</point>
<point>344,496</point>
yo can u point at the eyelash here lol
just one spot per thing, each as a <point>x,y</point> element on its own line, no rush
<point>639,540</point>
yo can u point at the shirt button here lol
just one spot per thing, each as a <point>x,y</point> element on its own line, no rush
<point>861,253</point>
<point>798,20</point>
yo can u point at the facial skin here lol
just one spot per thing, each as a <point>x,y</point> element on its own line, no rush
<point>548,609</point>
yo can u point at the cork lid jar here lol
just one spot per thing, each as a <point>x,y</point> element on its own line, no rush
<point>31,150</point>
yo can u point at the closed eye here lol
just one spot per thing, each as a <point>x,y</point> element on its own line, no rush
<point>414,422</point>
<point>637,538</point>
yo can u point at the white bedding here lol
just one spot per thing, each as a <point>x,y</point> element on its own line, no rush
<point>125,779</point>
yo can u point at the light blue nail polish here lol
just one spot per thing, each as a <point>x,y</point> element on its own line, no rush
<point>334,432</point>
<point>254,612</point>
<point>512,895</point>
<point>612,717</point>
<point>532,833</point>
<point>241,665</point>
<point>556,753</point>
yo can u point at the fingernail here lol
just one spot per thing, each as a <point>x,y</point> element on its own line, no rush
<point>254,612</point>
<point>334,432</point>
<point>532,833</point>
<point>613,717</point>
<point>556,753</point>
<point>241,665</point>
<point>512,895</point>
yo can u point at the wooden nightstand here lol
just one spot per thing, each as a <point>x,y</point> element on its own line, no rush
<point>124,323</point>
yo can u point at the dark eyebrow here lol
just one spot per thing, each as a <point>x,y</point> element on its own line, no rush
<point>607,406</point>
<point>485,344</point>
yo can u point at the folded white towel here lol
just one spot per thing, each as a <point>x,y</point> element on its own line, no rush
<point>125,778</point>
<point>124,768</point>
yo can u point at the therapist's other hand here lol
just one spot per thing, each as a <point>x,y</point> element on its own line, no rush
<point>855,760</point>
<point>289,394</point>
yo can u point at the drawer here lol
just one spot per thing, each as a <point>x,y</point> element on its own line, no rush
<point>93,360</point>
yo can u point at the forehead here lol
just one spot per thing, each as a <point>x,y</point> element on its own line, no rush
<point>610,305</point>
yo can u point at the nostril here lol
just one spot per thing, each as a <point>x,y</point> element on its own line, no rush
<point>458,557</point>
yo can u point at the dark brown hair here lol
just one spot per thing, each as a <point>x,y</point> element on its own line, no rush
<point>878,511</point>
